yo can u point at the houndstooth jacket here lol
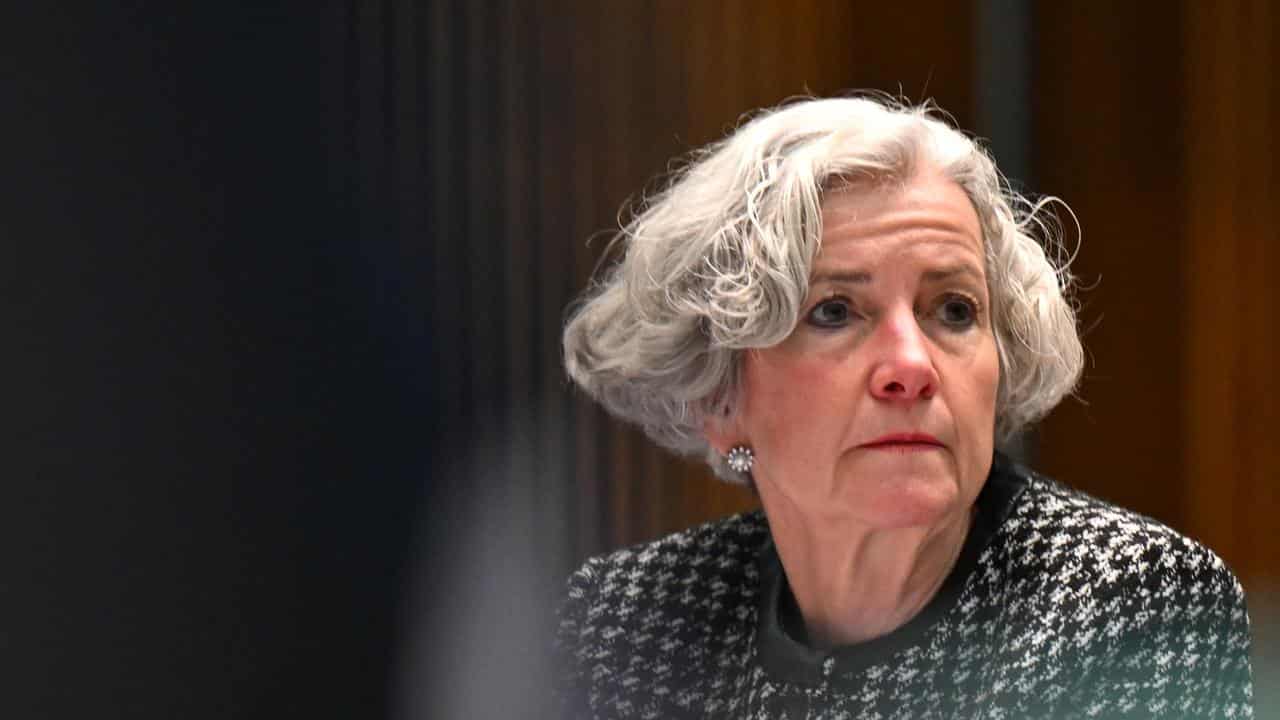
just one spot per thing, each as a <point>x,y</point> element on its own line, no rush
<point>1060,606</point>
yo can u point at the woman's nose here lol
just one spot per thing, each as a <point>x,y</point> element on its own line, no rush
<point>904,369</point>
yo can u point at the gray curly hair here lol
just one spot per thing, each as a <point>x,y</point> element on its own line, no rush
<point>718,262</point>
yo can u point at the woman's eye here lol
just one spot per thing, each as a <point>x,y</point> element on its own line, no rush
<point>830,313</point>
<point>958,312</point>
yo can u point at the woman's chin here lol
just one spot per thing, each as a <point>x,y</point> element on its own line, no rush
<point>905,500</point>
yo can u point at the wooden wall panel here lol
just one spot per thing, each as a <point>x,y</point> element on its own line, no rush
<point>1107,130</point>
<point>1158,129</point>
<point>1232,308</point>
<point>1232,338</point>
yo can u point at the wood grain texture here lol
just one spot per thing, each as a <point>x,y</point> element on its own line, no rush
<point>1233,301</point>
<point>1107,132</point>
<point>1157,130</point>
<point>1232,341</point>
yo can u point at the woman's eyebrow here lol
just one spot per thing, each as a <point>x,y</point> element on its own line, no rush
<point>836,277</point>
<point>951,271</point>
<point>862,277</point>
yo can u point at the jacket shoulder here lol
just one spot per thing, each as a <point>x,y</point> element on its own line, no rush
<point>651,618</point>
<point>720,543</point>
<point>1156,618</point>
<point>1069,530</point>
<point>691,562</point>
<point>1094,559</point>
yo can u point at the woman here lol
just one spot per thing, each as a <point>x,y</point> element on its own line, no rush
<point>844,307</point>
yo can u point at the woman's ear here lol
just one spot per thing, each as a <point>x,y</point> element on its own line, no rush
<point>722,430</point>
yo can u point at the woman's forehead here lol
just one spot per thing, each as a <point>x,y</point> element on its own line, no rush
<point>928,207</point>
<point>928,221</point>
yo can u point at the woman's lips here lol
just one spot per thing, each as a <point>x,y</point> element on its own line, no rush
<point>904,442</point>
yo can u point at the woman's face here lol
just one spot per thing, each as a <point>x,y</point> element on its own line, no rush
<point>880,405</point>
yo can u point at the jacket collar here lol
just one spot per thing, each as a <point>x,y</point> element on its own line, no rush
<point>782,643</point>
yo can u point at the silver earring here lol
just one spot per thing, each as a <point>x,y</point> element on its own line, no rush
<point>740,459</point>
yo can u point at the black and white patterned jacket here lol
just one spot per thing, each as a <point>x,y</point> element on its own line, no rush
<point>1060,606</point>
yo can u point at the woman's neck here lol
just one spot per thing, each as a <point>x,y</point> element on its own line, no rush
<point>854,583</point>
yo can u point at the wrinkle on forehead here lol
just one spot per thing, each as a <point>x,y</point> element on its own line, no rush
<point>929,203</point>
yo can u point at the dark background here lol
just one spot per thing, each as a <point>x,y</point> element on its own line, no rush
<point>287,432</point>
<point>217,370</point>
